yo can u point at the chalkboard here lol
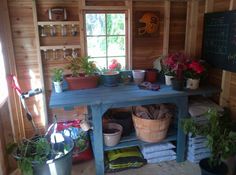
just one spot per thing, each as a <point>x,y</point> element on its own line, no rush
<point>219,42</point>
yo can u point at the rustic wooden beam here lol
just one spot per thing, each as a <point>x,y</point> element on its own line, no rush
<point>82,27</point>
<point>44,113</point>
<point>16,116</point>
<point>191,28</point>
<point>166,28</point>
<point>209,6</point>
<point>129,47</point>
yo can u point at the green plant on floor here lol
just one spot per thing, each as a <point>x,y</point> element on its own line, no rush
<point>57,74</point>
<point>81,65</point>
<point>34,151</point>
<point>221,140</point>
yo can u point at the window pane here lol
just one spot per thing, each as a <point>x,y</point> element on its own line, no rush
<point>96,46</point>
<point>116,24</point>
<point>120,60</point>
<point>116,45</point>
<point>100,62</point>
<point>95,24</point>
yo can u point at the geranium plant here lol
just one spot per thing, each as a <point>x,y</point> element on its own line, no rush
<point>115,65</point>
<point>195,70</point>
<point>174,64</point>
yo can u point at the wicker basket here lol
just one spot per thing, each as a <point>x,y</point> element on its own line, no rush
<point>151,130</point>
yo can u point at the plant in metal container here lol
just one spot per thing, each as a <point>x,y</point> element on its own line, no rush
<point>57,79</point>
<point>40,155</point>
<point>83,73</point>
<point>221,140</point>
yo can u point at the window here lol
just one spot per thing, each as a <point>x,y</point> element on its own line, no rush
<point>3,82</point>
<point>106,38</point>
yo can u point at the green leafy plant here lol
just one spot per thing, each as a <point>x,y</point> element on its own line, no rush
<point>221,140</point>
<point>57,74</point>
<point>34,151</point>
<point>81,65</point>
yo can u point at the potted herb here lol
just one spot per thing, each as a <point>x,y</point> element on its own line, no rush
<point>83,73</point>
<point>175,64</point>
<point>194,72</point>
<point>40,156</point>
<point>221,141</point>
<point>111,76</point>
<point>57,79</point>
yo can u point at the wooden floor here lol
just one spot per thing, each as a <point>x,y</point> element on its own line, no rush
<point>166,168</point>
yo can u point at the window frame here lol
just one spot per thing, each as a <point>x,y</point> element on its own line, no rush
<point>127,35</point>
<point>5,97</point>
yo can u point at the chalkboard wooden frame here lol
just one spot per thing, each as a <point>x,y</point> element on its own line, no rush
<point>219,40</point>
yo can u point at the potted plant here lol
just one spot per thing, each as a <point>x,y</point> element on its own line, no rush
<point>175,64</point>
<point>40,155</point>
<point>221,141</point>
<point>111,76</point>
<point>57,79</point>
<point>168,72</point>
<point>83,73</point>
<point>195,70</point>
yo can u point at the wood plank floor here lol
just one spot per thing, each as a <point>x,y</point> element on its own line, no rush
<point>165,168</point>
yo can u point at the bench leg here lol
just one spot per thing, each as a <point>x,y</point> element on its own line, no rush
<point>98,140</point>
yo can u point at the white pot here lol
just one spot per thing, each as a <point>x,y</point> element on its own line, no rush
<point>192,83</point>
<point>138,76</point>
<point>168,79</point>
<point>112,139</point>
<point>58,87</point>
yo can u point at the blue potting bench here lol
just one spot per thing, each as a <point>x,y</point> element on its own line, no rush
<point>100,99</point>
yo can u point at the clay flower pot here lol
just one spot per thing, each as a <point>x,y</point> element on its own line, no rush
<point>82,82</point>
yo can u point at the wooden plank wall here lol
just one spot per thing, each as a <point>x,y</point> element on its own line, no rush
<point>7,164</point>
<point>217,77</point>
<point>24,41</point>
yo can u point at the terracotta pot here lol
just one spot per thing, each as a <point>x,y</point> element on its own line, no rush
<point>83,82</point>
<point>151,75</point>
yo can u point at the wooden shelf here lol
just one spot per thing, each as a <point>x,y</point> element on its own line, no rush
<point>47,23</point>
<point>132,140</point>
<point>60,47</point>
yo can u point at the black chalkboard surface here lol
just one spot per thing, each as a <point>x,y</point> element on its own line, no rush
<point>219,40</point>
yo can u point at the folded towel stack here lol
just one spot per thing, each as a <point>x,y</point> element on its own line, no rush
<point>155,153</point>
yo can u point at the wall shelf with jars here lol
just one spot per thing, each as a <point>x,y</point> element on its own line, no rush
<point>58,35</point>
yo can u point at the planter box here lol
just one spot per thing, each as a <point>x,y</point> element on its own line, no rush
<point>83,82</point>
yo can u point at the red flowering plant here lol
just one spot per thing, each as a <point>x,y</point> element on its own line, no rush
<point>115,65</point>
<point>174,64</point>
<point>195,70</point>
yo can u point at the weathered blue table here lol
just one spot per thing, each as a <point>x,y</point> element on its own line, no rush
<point>100,99</point>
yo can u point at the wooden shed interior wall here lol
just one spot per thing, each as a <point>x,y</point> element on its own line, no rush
<point>181,29</point>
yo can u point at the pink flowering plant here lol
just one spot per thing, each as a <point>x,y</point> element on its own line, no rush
<point>195,70</point>
<point>174,64</point>
<point>115,65</point>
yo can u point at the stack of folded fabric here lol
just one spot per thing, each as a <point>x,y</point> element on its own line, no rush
<point>155,153</point>
<point>197,148</point>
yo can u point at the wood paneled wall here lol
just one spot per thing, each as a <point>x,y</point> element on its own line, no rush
<point>223,79</point>
<point>144,50</point>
